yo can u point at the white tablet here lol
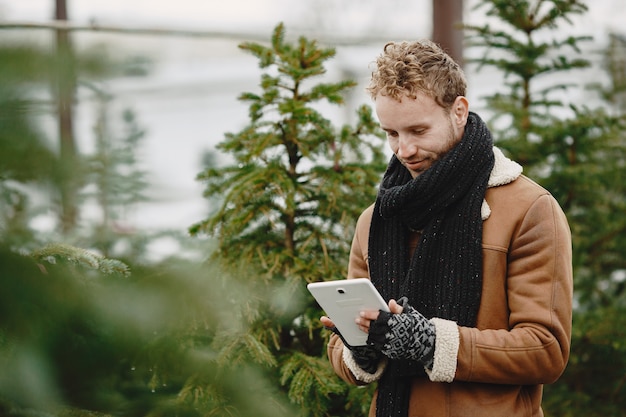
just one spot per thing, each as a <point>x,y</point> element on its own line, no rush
<point>343,300</point>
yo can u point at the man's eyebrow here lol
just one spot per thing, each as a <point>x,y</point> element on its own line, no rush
<point>416,126</point>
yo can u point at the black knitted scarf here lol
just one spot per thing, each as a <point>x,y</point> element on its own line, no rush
<point>443,278</point>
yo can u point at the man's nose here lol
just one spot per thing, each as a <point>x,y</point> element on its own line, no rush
<point>406,148</point>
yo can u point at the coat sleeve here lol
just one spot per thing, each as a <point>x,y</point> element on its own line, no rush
<point>535,348</point>
<point>357,268</point>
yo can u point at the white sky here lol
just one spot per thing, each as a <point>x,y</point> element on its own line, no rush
<point>255,13</point>
<point>156,12</point>
<point>239,15</point>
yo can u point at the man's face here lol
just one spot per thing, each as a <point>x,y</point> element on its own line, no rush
<point>420,131</point>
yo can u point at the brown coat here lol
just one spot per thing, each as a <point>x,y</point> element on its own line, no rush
<point>522,336</point>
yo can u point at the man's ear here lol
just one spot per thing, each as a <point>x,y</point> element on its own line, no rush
<point>460,109</point>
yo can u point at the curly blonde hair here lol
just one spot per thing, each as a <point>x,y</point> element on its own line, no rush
<point>406,68</point>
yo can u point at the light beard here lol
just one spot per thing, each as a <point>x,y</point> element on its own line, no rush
<point>451,142</point>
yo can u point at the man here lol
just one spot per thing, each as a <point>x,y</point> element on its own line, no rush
<point>473,257</point>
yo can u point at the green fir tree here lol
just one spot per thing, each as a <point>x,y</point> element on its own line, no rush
<point>288,205</point>
<point>115,181</point>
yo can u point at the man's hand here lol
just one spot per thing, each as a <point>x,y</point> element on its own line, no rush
<point>404,335</point>
<point>366,357</point>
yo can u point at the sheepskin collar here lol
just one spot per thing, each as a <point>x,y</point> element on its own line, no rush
<point>504,171</point>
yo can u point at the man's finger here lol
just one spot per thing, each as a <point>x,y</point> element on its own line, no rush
<point>394,307</point>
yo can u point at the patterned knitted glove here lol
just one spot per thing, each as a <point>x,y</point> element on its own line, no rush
<point>366,356</point>
<point>408,335</point>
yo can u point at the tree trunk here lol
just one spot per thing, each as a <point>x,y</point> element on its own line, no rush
<point>447,18</point>
<point>65,90</point>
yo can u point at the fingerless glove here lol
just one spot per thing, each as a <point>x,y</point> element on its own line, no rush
<point>408,335</point>
<point>367,357</point>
